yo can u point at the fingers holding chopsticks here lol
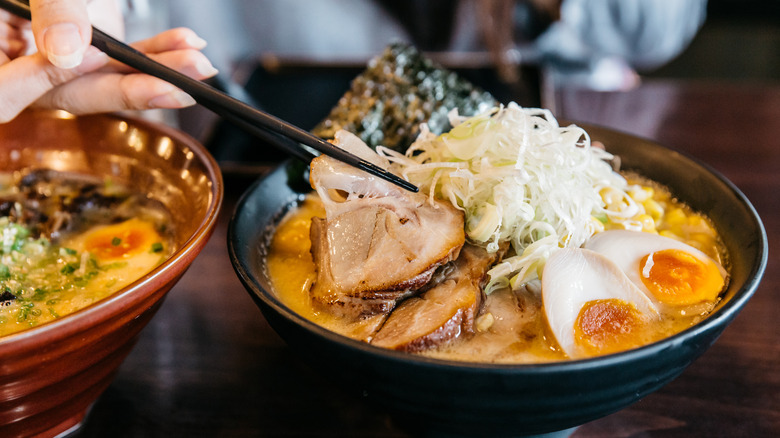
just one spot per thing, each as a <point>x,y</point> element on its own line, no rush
<point>178,48</point>
<point>172,39</point>
<point>121,87</point>
<point>25,79</point>
<point>96,84</point>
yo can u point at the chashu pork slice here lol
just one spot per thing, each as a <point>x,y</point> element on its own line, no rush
<point>378,243</point>
<point>442,313</point>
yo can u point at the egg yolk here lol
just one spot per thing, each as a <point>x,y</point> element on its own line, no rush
<point>678,278</point>
<point>607,326</point>
<point>121,240</point>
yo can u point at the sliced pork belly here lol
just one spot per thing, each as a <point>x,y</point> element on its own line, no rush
<point>442,313</point>
<point>378,243</point>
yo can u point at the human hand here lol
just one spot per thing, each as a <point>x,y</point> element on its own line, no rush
<point>95,84</point>
<point>62,29</point>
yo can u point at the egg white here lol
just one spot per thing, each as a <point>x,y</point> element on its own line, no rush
<point>573,277</point>
<point>627,248</point>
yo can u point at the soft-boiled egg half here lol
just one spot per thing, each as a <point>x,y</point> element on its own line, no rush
<point>591,307</point>
<point>122,240</point>
<point>124,251</point>
<point>671,272</point>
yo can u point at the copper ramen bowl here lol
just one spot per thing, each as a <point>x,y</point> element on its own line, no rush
<point>51,374</point>
<point>440,397</point>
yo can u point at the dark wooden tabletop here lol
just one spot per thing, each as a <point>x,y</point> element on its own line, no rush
<point>208,365</point>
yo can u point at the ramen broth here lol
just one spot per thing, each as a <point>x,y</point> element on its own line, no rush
<point>69,241</point>
<point>511,327</point>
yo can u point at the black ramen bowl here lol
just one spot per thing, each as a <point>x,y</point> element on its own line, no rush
<point>456,398</point>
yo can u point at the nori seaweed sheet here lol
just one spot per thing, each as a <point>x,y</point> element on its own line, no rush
<point>399,90</point>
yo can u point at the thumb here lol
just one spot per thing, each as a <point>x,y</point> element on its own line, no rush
<point>62,30</point>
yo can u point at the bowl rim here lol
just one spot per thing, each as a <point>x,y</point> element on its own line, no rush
<point>82,319</point>
<point>719,318</point>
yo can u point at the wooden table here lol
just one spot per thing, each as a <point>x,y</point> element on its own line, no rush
<point>209,365</point>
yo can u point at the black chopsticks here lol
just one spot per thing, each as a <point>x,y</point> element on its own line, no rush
<point>286,136</point>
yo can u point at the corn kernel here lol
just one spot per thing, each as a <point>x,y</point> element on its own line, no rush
<point>676,217</point>
<point>648,224</point>
<point>654,209</point>
<point>694,221</point>
<point>697,224</point>
<point>707,241</point>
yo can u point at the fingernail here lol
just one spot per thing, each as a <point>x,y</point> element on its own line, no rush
<point>205,68</point>
<point>174,99</point>
<point>93,59</point>
<point>195,42</point>
<point>63,44</point>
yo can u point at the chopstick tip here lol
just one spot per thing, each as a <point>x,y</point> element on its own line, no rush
<point>387,176</point>
<point>404,184</point>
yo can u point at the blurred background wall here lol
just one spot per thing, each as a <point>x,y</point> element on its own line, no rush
<point>739,41</point>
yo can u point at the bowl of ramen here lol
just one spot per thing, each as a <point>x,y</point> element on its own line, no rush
<point>100,216</point>
<point>546,274</point>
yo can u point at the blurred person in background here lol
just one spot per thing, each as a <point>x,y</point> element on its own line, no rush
<point>49,63</point>
<point>604,44</point>
<point>600,44</point>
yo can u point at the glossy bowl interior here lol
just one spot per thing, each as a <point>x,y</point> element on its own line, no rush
<point>51,374</point>
<point>454,398</point>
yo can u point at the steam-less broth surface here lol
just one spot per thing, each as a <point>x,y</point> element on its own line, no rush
<point>69,241</point>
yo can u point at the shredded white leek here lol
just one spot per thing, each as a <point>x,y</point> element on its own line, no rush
<point>520,178</point>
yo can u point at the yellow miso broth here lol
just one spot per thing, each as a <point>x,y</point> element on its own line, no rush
<point>68,241</point>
